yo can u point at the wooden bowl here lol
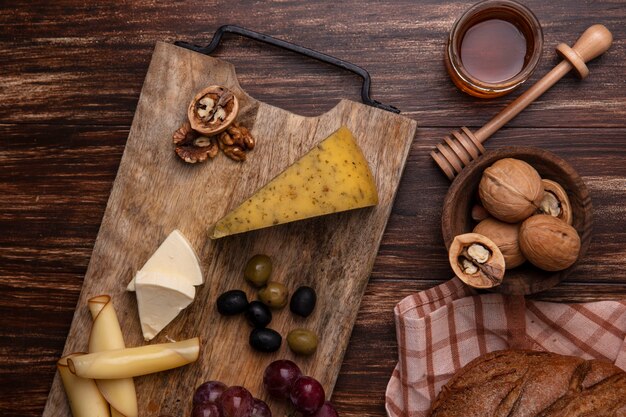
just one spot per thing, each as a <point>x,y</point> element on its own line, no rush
<point>463,194</point>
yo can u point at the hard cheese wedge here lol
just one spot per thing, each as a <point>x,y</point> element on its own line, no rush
<point>175,256</point>
<point>332,177</point>
<point>160,298</point>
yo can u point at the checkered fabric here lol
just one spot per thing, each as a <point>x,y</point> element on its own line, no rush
<point>442,329</point>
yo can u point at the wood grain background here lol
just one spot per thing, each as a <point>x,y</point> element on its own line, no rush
<point>70,77</point>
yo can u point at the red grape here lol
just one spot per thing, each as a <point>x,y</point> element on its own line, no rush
<point>307,395</point>
<point>208,392</point>
<point>205,410</point>
<point>327,410</point>
<point>236,402</point>
<point>279,376</point>
<point>260,409</point>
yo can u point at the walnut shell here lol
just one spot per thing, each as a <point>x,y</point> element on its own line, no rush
<point>216,117</point>
<point>549,243</point>
<point>506,236</point>
<point>482,268</point>
<point>510,190</point>
<point>555,201</point>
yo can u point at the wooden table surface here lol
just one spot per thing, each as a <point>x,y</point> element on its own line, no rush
<point>71,74</point>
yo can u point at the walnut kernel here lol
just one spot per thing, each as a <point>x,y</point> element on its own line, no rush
<point>235,153</point>
<point>235,141</point>
<point>469,267</point>
<point>212,110</point>
<point>191,147</point>
<point>478,252</point>
<point>184,135</point>
<point>555,201</point>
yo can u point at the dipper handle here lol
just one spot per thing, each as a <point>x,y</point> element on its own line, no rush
<point>592,43</point>
<point>595,41</point>
<point>462,146</point>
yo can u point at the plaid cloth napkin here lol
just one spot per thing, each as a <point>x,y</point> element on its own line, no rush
<point>442,329</point>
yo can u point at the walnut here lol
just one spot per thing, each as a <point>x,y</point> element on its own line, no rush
<point>235,153</point>
<point>510,190</point>
<point>476,260</point>
<point>184,135</point>
<point>191,147</point>
<point>549,243</point>
<point>506,236</point>
<point>212,110</point>
<point>235,141</point>
<point>555,201</point>
<point>226,139</point>
<point>248,140</point>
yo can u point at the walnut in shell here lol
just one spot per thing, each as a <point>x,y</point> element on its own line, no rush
<point>212,110</point>
<point>555,201</point>
<point>506,237</point>
<point>510,190</point>
<point>549,243</point>
<point>476,260</point>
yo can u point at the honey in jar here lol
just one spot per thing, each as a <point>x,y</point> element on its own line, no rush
<point>493,48</point>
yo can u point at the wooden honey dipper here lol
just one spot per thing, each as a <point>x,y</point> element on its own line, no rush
<point>462,146</point>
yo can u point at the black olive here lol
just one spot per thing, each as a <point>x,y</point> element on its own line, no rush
<point>258,314</point>
<point>303,301</point>
<point>265,340</point>
<point>232,302</point>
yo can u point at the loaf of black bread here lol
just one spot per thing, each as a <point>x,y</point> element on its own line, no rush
<point>519,383</point>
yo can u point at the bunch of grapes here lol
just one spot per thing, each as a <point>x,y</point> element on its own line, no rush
<point>215,399</point>
<point>284,380</point>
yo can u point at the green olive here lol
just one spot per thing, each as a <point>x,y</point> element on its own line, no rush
<point>274,295</point>
<point>302,341</point>
<point>258,270</point>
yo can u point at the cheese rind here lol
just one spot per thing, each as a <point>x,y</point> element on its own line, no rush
<point>332,177</point>
<point>160,298</point>
<point>175,256</point>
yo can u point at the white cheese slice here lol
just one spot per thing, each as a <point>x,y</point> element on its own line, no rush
<point>175,256</point>
<point>160,298</point>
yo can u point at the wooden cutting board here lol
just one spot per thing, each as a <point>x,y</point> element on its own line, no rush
<point>155,192</point>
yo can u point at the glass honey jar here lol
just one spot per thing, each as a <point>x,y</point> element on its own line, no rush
<point>493,48</point>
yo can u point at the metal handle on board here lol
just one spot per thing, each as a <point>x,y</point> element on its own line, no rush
<point>361,72</point>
